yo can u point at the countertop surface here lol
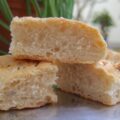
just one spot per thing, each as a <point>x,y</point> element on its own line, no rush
<point>69,107</point>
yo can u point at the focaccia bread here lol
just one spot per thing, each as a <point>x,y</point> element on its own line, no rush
<point>26,84</point>
<point>99,82</point>
<point>56,39</point>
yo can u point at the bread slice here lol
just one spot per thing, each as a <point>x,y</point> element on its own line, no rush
<point>56,39</point>
<point>99,82</point>
<point>26,84</point>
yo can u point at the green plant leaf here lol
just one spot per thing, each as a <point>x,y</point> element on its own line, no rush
<point>3,52</point>
<point>4,25</point>
<point>28,7</point>
<point>69,8</point>
<point>103,18</point>
<point>45,11</point>
<point>5,9</point>
<point>65,8</point>
<point>59,6</point>
<point>36,7</point>
<point>53,8</point>
<point>4,40</point>
<point>55,87</point>
<point>49,11</point>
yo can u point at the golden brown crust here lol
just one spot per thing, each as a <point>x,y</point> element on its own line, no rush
<point>108,103</point>
<point>36,105</point>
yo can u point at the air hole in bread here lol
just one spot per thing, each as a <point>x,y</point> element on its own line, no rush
<point>117,66</point>
<point>117,95</point>
<point>36,64</point>
<point>48,54</point>
<point>74,88</point>
<point>57,49</point>
<point>18,68</point>
<point>99,96</point>
<point>8,65</point>
<point>104,62</point>
<point>1,101</point>
<point>15,83</point>
<point>48,98</point>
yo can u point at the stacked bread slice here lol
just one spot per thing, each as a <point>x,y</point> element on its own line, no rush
<point>99,81</point>
<point>26,84</point>
<point>43,47</point>
<point>56,39</point>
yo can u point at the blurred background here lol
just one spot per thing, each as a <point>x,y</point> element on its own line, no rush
<point>102,14</point>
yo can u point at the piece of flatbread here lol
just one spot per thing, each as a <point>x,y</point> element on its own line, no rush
<point>26,84</point>
<point>98,82</point>
<point>56,39</point>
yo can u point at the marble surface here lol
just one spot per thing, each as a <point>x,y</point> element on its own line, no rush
<point>69,107</point>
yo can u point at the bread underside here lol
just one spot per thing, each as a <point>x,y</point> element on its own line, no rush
<point>26,84</point>
<point>55,39</point>
<point>99,82</point>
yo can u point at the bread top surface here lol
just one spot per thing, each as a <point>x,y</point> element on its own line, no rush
<point>62,25</point>
<point>107,67</point>
<point>53,22</point>
<point>11,68</point>
<point>113,56</point>
<point>110,64</point>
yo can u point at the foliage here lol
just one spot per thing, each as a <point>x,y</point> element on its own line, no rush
<point>2,52</point>
<point>42,8</point>
<point>103,18</point>
<point>105,21</point>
